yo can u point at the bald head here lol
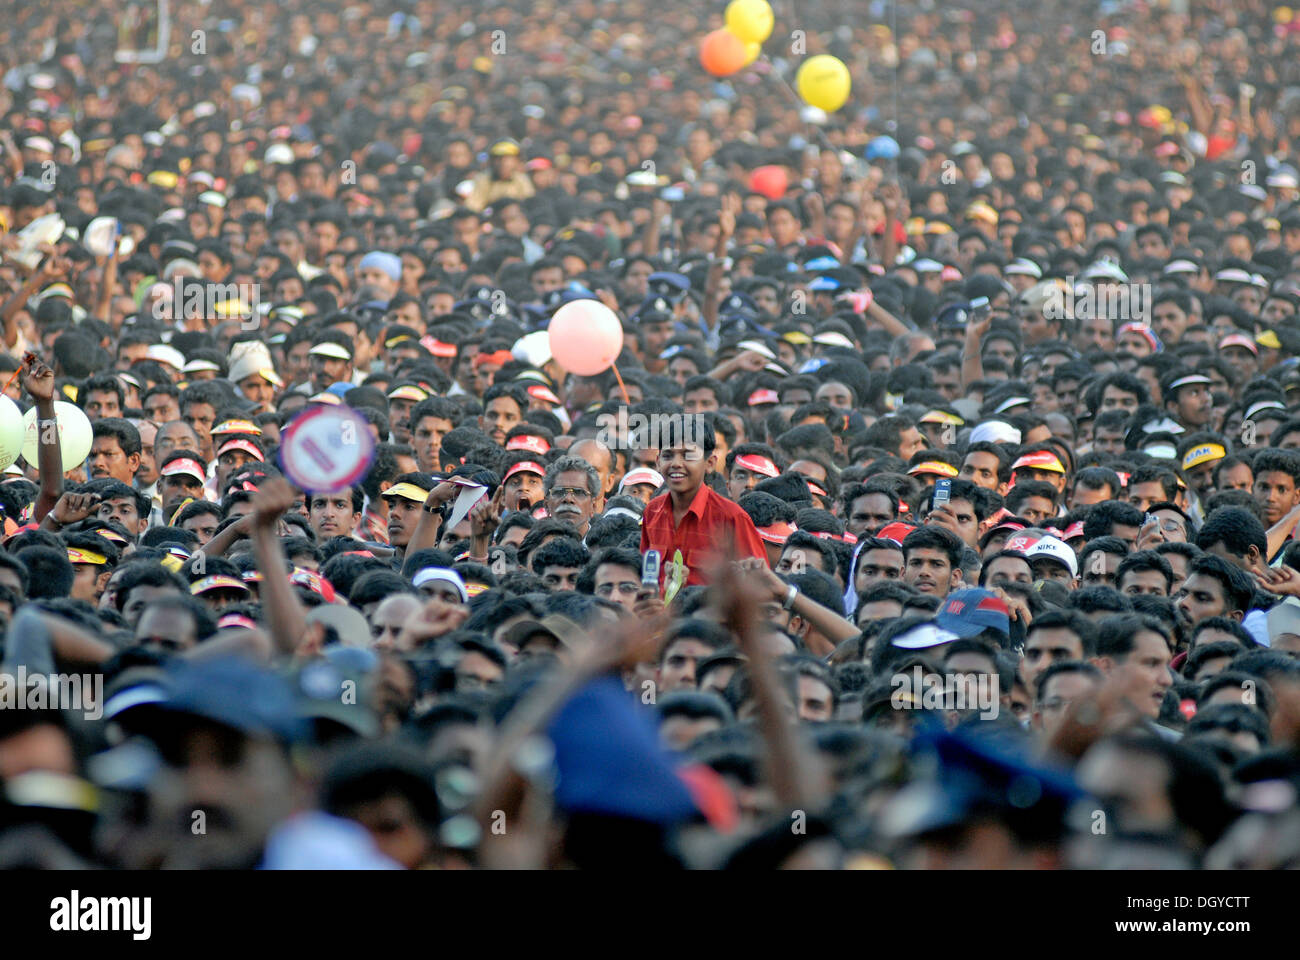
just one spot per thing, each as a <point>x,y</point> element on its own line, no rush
<point>174,435</point>
<point>599,456</point>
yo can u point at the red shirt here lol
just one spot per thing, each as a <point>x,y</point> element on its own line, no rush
<point>711,526</point>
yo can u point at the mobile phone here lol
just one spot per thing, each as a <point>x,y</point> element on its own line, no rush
<point>978,307</point>
<point>650,569</point>
<point>1149,518</point>
<point>673,194</point>
<point>942,492</point>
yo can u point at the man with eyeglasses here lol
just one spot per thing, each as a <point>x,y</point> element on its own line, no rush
<point>571,485</point>
<point>616,576</point>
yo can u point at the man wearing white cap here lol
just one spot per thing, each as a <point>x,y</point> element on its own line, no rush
<point>253,372</point>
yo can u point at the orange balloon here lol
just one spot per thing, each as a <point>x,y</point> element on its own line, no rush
<point>722,53</point>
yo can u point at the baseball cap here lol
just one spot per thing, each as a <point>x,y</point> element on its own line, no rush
<point>407,491</point>
<point>234,693</point>
<point>530,442</point>
<point>1239,340</point>
<point>936,468</point>
<point>237,443</point>
<point>641,475</point>
<point>408,391</point>
<point>896,531</point>
<point>994,431</point>
<point>247,427</point>
<point>756,463</point>
<point>1284,618</point>
<point>217,581</point>
<point>1040,460</point>
<point>1052,549</point>
<point>539,391</point>
<point>330,349</point>
<point>924,636</point>
<point>968,612</point>
<point>777,533</point>
<point>444,575</point>
<point>184,466</point>
<point>525,466</point>
<point>1203,453</point>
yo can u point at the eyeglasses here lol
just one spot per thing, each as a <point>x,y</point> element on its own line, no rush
<point>626,587</point>
<point>570,493</point>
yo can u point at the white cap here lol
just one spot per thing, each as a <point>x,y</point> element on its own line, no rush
<point>994,431</point>
<point>165,354</point>
<point>446,575</point>
<point>923,636</point>
<point>1057,550</point>
<point>533,349</point>
<point>641,475</point>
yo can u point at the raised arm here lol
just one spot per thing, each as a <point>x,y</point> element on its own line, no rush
<point>284,612</point>
<point>38,380</point>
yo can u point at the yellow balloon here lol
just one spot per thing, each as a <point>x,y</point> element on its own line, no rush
<point>823,82</point>
<point>751,20</point>
<point>752,50</point>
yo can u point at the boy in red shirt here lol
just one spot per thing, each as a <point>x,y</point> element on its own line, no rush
<point>691,518</point>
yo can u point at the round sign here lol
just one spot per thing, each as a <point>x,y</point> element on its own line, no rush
<point>327,449</point>
<point>75,435</point>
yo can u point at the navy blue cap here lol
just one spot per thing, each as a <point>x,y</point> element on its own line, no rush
<point>668,284</point>
<point>973,610</point>
<point>739,303</point>
<point>609,759</point>
<point>981,773</point>
<point>235,693</point>
<point>655,309</point>
<point>953,316</point>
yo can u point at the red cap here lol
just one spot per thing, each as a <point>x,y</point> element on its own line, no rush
<point>755,463</point>
<point>438,348</point>
<point>529,442</point>
<point>525,466</point>
<point>540,391</point>
<point>896,531</point>
<point>778,532</point>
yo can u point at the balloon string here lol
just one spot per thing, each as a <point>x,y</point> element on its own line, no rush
<point>10,382</point>
<point>621,385</point>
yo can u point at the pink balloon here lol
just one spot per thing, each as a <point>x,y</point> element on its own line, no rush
<point>771,181</point>
<point>586,337</point>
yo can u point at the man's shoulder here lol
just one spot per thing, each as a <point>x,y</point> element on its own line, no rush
<point>727,507</point>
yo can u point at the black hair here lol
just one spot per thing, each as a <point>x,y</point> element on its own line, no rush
<point>935,538</point>
<point>1065,666</point>
<point>49,572</point>
<point>560,552</point>
<point>1071,620</point>
<point>1117,636</point>
<point>1142,561</point>
<point>127,436</point>
<point>1238,590</point>
<point>1103,517</point>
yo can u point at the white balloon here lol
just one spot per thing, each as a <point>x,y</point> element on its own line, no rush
<point>11,431</point>
<point>75,436</point>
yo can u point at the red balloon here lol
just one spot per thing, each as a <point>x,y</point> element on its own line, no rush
<point>722,53</point>
<point>771,181</point>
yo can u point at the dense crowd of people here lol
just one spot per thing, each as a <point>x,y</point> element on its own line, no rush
<point>938,512</point>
